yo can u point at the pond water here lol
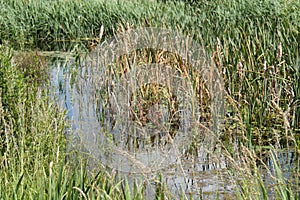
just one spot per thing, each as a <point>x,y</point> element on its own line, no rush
<point>94,130</point>
<point>102,125</point>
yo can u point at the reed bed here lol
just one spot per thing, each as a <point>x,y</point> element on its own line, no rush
<point>33,158</point>
<point>254,44</point>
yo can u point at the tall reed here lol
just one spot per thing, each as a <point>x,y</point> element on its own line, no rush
<point>255,44</point>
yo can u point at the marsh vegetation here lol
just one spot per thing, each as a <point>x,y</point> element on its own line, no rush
<point>254,153</point>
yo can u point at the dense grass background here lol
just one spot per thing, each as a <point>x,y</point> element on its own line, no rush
<point>254,43</point>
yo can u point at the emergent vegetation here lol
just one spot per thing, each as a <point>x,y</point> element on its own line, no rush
<point>254,43</point>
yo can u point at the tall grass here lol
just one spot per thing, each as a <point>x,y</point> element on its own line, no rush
<point>33,154</point>
<point>44,23</point>
<point>255,44</point>
<point>31,128</point>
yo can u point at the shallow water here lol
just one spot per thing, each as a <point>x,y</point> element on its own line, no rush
<point>75,90</point>
<point>111,138</point>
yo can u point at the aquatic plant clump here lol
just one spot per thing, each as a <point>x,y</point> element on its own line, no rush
<point>149,101</point>
<point>254,46</point>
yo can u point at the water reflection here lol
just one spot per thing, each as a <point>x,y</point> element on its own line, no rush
<point>92,123</point>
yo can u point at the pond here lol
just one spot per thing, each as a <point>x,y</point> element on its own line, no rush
<point>141,119</point>
<point>76,92</point>
<point>204,175</point>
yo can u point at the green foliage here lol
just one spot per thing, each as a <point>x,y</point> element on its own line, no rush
<point>33,153</point>
<point>255,44</point>
<point>11,82</point>
<point>31,129</point>
<point>43,24</point>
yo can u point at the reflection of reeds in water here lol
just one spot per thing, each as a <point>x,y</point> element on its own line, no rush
<point>262,85</point>
<point>157,105</point>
